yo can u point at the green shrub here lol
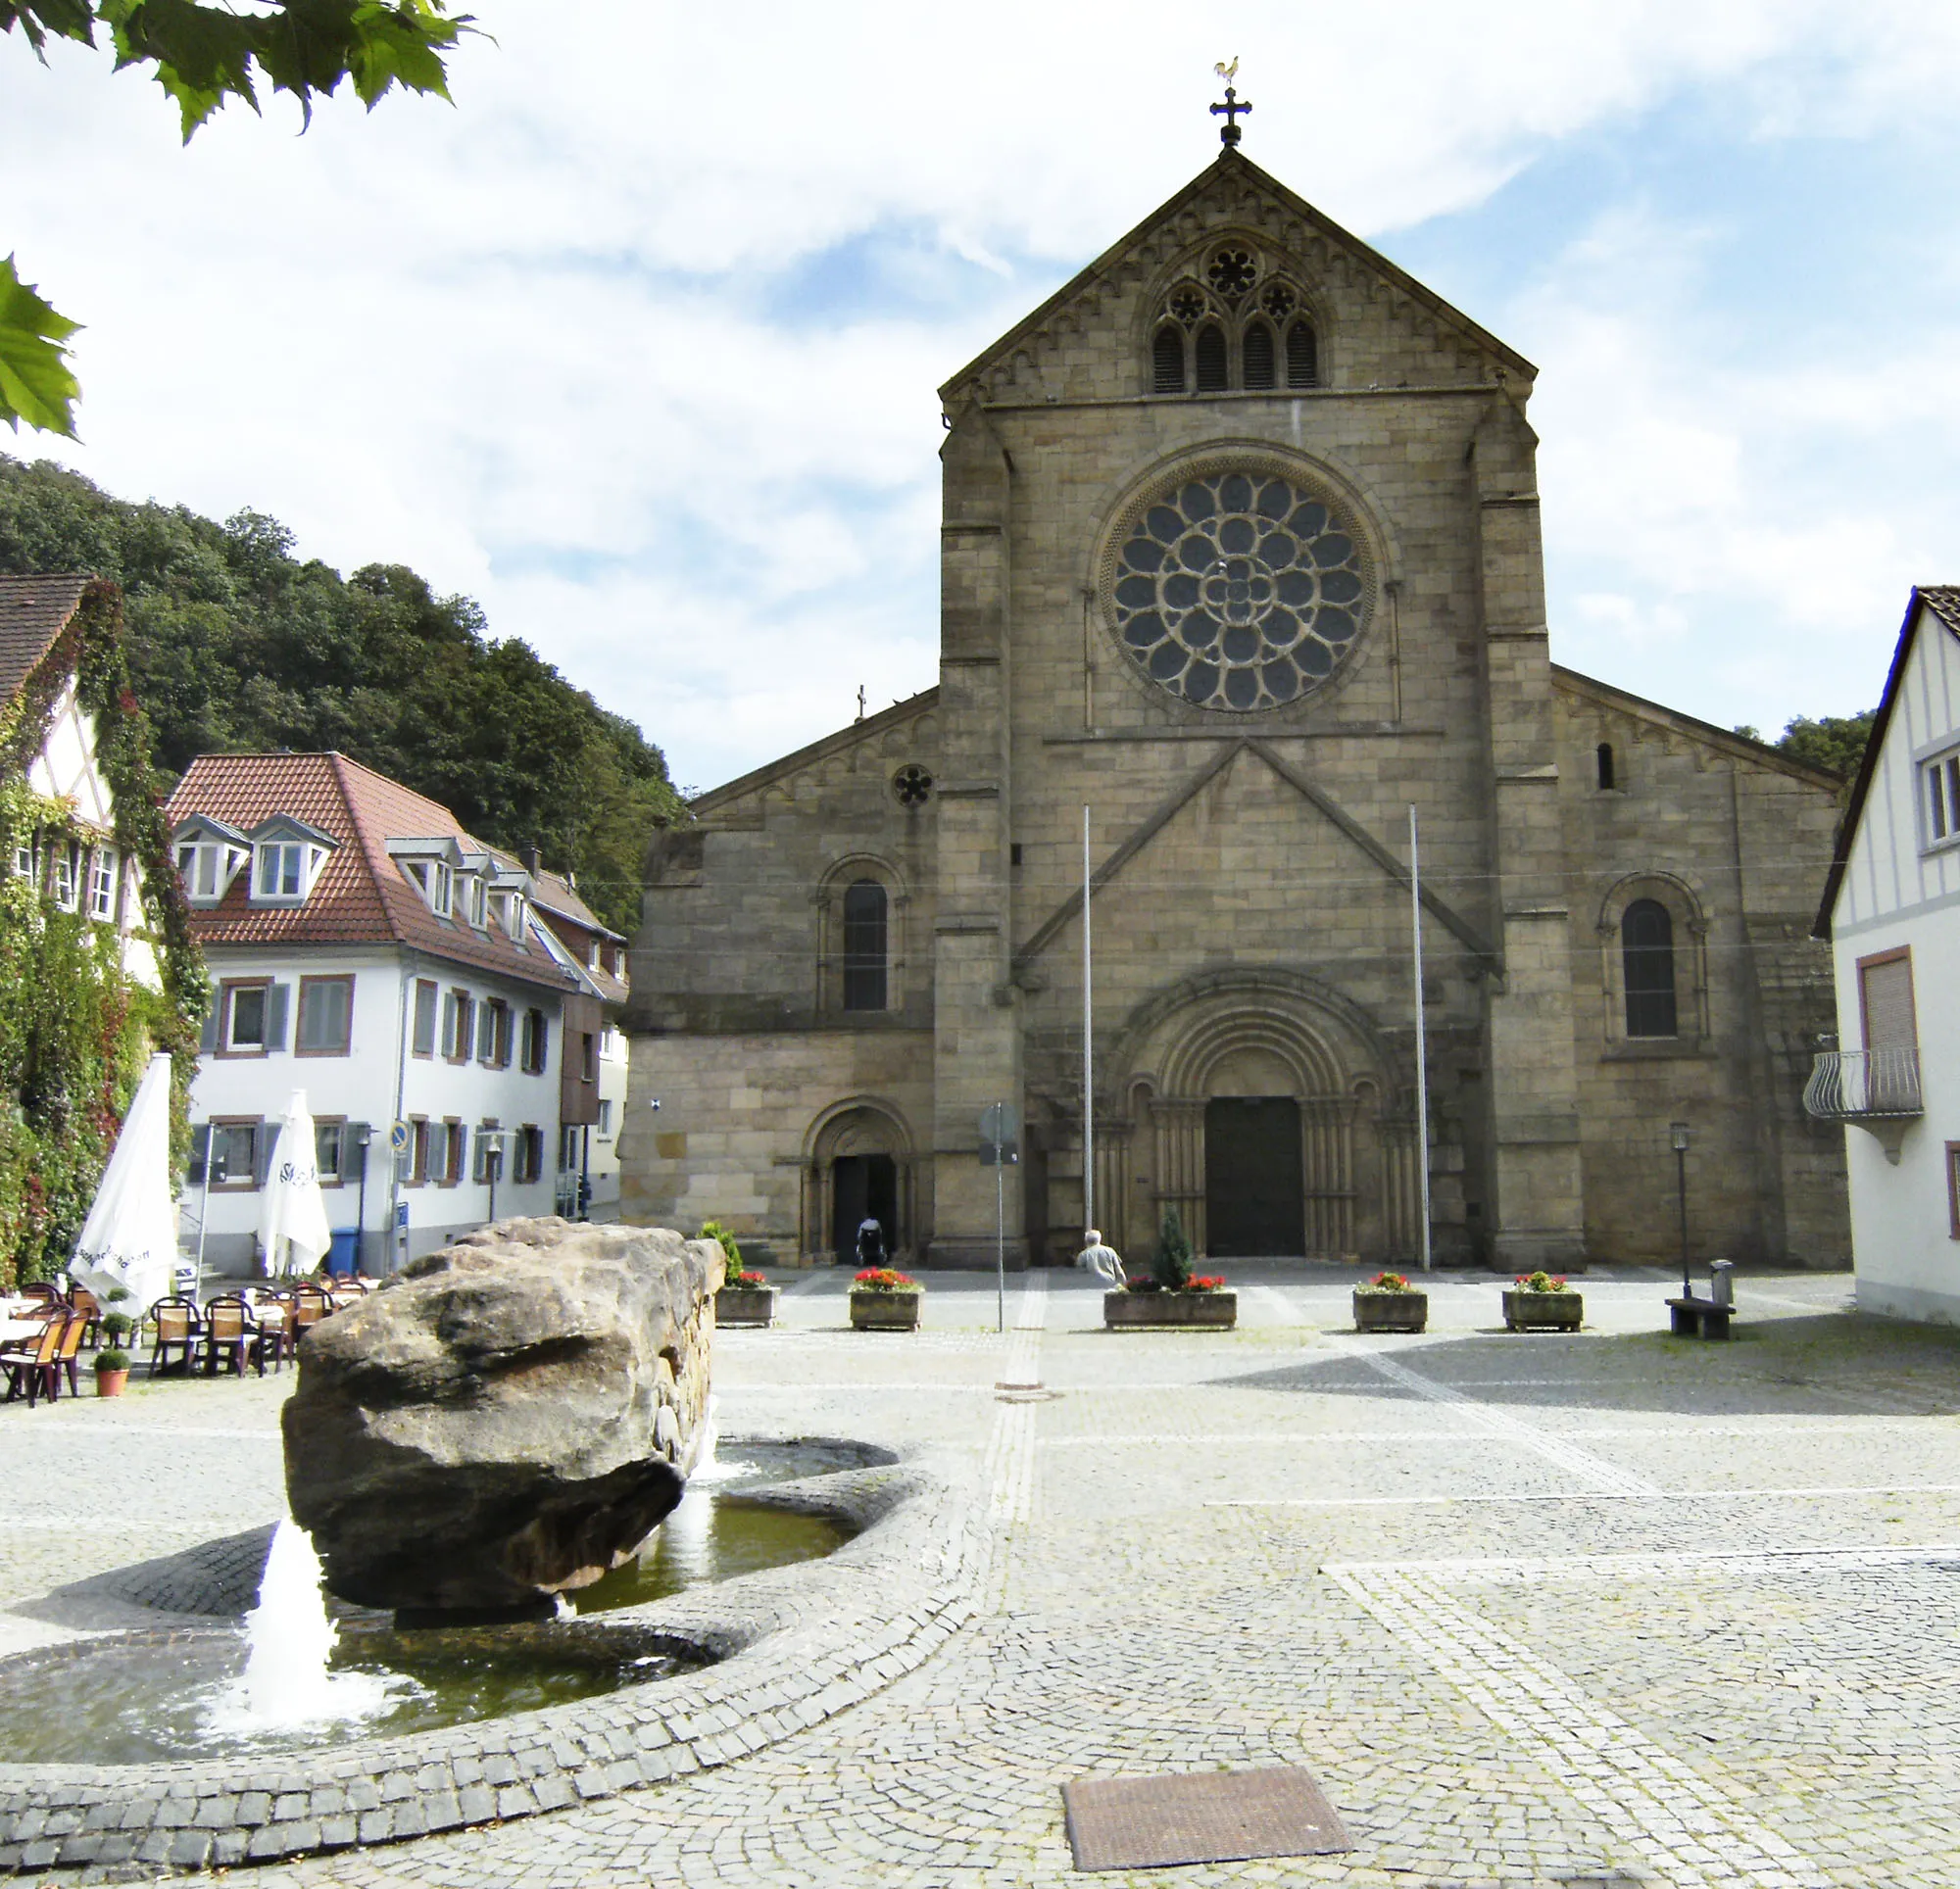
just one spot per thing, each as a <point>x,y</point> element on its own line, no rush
<point>109,1359</point>
<point>713,1230</point>
<point>1171,1268</point>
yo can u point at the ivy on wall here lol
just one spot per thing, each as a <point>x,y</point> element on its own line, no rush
<point>75,1030</point>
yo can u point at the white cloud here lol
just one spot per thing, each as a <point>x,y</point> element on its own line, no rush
<point>554,346</point>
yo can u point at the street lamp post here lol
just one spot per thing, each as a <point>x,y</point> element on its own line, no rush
<point>1678,1136</point>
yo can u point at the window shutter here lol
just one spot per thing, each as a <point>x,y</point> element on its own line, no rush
<point>354,1142</point>
<point>1167,361</point>
<point>1260,356</point>
<point>200,1153</point>
<point>1211,352</point>
<point>263,1137</point>
<point>207,1040</point>
<point>1889,1023</point>
<point>277,999</point>
<point>1303,357</point>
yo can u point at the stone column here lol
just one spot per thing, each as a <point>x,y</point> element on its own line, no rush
<point>976,1008</point>
<point>1536,1199</point>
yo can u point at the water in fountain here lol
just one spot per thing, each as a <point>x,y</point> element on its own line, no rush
<point>707,1464</point>
<point>289,1641</point>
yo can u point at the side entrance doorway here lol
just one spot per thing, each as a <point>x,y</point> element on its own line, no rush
<point>1254,1201</point>
<point>863,1184</point>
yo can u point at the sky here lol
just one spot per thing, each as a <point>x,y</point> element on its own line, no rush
<point>637,343</point>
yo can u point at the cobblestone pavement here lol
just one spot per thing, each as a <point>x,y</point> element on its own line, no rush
<point>1599,1608</point>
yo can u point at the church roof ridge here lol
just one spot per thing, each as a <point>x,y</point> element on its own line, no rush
<point>1232,162</point>
<point>1765,753</point>
<point>821,748</point>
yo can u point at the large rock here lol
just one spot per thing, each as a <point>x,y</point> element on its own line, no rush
<point>505,1418</point>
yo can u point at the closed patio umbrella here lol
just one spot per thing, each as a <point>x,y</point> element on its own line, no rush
<point>292,1216</point>
<point>129,1239</point>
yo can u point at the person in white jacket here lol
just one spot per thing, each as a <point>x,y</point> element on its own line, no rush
<point>1101,1260</point>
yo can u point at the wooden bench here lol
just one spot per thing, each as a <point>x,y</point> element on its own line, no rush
<point>1699,1318</point>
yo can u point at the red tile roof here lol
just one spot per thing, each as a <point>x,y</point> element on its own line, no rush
<point>556,897</point>
<point>362,896</point>
<point>32,611</point>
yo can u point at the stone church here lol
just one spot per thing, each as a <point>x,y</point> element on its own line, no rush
<point>1241,553</point>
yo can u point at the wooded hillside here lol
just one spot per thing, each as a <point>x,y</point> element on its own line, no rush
<point>236,646</point>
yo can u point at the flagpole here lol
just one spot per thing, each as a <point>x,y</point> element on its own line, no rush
<point>1421,1041</point>
<point>1088,1047</point>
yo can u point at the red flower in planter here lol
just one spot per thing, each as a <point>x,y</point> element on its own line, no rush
<point>883,1278</point>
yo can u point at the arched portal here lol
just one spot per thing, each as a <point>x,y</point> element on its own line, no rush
<point>1256,1113</point>
<point>858,1165</point>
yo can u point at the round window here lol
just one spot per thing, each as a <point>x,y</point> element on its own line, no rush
<point>1239,590</point>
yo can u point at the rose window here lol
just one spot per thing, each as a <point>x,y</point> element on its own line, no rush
<point>912,785</point>
<point>1240,591</point>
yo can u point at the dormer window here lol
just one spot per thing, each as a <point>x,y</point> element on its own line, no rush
<point>209,857</point>
<point>436,883</point>
<point>281,872</point>
<point>475,897</point>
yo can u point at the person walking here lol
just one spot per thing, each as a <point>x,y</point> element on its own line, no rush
<point>870,1241</point>
<point>1101,1260</point>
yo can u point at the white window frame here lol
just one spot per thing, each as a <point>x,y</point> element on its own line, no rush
<point>67,875</point>
<point>211,863</point>
<point>1937,788</point>
<point>28,858</point>
<point>105,882</point>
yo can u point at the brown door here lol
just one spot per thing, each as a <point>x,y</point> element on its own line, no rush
<point>1253,1207</point>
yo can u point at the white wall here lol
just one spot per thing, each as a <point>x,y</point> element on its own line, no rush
<point>614,1065</point>
<point>1898,891</point>
<point>66,769</point>
<point>362,1085</point>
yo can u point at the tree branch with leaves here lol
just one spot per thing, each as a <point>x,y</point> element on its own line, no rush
<point>202,56</point>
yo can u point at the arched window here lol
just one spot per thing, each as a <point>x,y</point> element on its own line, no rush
<point>1646,948</point>
<point>1167,361</point>
<point>1303,357</point>
<point>864,945</point>
<point>1259,357</point>
<point>1607,779</point>
<point>1212,377</point>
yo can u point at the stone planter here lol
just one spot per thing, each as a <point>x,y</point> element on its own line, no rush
<point>1170,1311</point>
<point>1543,1310</point>
<point>745,1305</point>
<point>109,1383</point>
<point>1390,1310</point>
<point>885,1311</point>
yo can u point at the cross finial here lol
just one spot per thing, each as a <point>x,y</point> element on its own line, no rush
<point>860,702</point>
<point>1229,132</point>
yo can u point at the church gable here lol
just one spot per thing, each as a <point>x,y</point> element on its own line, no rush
<point>1235,284</point>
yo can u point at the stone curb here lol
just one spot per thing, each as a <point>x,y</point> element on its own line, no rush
<point>799,1645</point>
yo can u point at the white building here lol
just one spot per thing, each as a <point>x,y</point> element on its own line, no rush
<point>1892,911</point>
<point>80,867</point>
<point>366,949</point>
<point>588,1159</point>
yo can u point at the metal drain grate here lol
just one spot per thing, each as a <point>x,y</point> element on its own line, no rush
<point>1200,1816</point>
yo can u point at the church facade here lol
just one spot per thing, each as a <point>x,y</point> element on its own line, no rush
<point>1240,554</point>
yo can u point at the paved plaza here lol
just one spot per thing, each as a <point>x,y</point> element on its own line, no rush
<point>1594,1610</point>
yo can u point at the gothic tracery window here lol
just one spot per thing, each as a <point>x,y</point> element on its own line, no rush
<point>1235,323</point>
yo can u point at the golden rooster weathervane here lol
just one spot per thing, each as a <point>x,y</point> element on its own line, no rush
<point>1228,132</point>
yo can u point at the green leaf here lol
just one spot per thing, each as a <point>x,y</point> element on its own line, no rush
<point>35,385</point>
<point>37,19</point>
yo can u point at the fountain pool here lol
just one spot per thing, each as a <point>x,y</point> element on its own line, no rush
<point>292,1678</point>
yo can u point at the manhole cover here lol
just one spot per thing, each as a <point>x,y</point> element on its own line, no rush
<point>1198,1817</point>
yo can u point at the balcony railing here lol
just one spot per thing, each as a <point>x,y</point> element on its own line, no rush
<point>1864,1085</point>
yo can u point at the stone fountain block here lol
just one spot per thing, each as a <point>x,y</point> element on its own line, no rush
<point>505,1418</point>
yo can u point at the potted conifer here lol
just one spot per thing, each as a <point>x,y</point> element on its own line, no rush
<point>1171,1295</point>
<point>745,1297</point>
